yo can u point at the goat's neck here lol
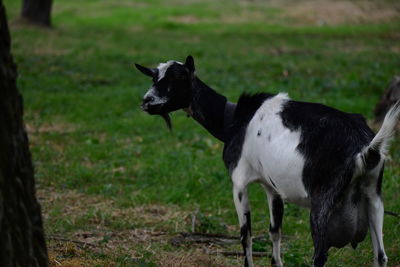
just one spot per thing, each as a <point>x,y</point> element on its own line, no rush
<point>211,110</point>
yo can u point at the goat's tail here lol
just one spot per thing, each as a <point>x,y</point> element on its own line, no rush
<point>371,155</point>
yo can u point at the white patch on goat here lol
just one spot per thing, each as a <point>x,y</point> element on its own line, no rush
<point>156,99</point>
<point>163,67</point>
<point>271,150</point>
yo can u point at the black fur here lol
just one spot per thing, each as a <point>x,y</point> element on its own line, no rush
<point>329,137</point>
<point>189,63</point>
<point>277,212</point>
<point>185,91</point>
<point>329,141</point>
<point>176,86</point>
<point>146,71</point>
<point>245,109</point>
<point>320,259</point>
<point>228,115</point>
<point>272,182</point>
<point>349,218</point>
<point>208,108</point>
<point>372,159</point>
<point>245,232</point>
<point>381,259</point>
<point>248,221</point>
<point>380,178</point>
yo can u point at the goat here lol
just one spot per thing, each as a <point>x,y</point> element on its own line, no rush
<point>303,153</point>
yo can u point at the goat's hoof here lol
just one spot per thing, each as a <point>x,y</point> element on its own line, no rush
<point>276,263</point>
<point>381,261</point>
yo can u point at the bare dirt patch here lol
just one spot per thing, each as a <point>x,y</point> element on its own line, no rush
<point>50,49</point>
<point>48,46</point>
<point>195,257</point>
<point>36,131</point>
<point>69,255</point>
<point>75,205</point>
<point>93,217</point>
<point>185,19</point>
<point>338,12</point>
<point>95,236</point>
<point>304,12</point>
<point>54,127</point>
<point>245,16</point>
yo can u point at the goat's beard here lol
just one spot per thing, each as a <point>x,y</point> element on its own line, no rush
<point>167,120</point>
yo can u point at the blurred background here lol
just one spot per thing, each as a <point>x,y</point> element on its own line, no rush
<point>117,187</point>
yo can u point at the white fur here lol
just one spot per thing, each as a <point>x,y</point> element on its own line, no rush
<point>375,214</point>
<point>270,156</point>
<point>163,67</point>
<point>376,211</point>
<point>270,152</point>
<point>242,205</point>
<point>382,138</point>
<point>156,99</point>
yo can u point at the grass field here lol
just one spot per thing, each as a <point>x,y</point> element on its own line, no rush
<point>116,186</point>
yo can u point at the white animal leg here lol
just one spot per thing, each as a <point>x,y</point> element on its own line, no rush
<point>240,179</point>
<point>375,218</point>
<point>275,204</point>
<point>243,211</point>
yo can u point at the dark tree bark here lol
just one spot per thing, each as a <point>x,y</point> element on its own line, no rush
<point>22,240</point>
<point>37,11</point>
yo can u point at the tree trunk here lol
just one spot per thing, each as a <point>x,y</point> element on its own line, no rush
<point>37,11</point>
<point>22,240</point>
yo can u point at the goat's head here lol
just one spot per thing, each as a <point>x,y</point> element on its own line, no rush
<point>171,89</point>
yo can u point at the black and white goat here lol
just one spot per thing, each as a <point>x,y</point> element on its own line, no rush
<point>303,153</point>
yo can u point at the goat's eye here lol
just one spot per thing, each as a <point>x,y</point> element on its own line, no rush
<point>180,78</point>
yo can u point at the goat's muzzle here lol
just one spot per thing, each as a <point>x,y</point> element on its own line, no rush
<point>152,109</point>
<point>157,110</point>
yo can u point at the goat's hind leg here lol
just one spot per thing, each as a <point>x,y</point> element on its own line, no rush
<point>318,229</point>
<point>375,220</point>
<point>320,216</point>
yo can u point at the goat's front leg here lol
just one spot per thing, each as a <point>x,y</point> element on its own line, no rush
<point>243,211</point>
<point>275,204</point>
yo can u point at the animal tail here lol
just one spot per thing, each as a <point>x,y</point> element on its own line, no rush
<point>371,155</point>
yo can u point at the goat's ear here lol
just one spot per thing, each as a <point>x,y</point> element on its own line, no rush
<point>189,63</point>
<point>145,71</point>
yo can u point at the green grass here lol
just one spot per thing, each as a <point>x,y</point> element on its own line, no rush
<point>82,96</point>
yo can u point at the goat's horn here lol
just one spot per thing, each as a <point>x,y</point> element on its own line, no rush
<point>167,119</point>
